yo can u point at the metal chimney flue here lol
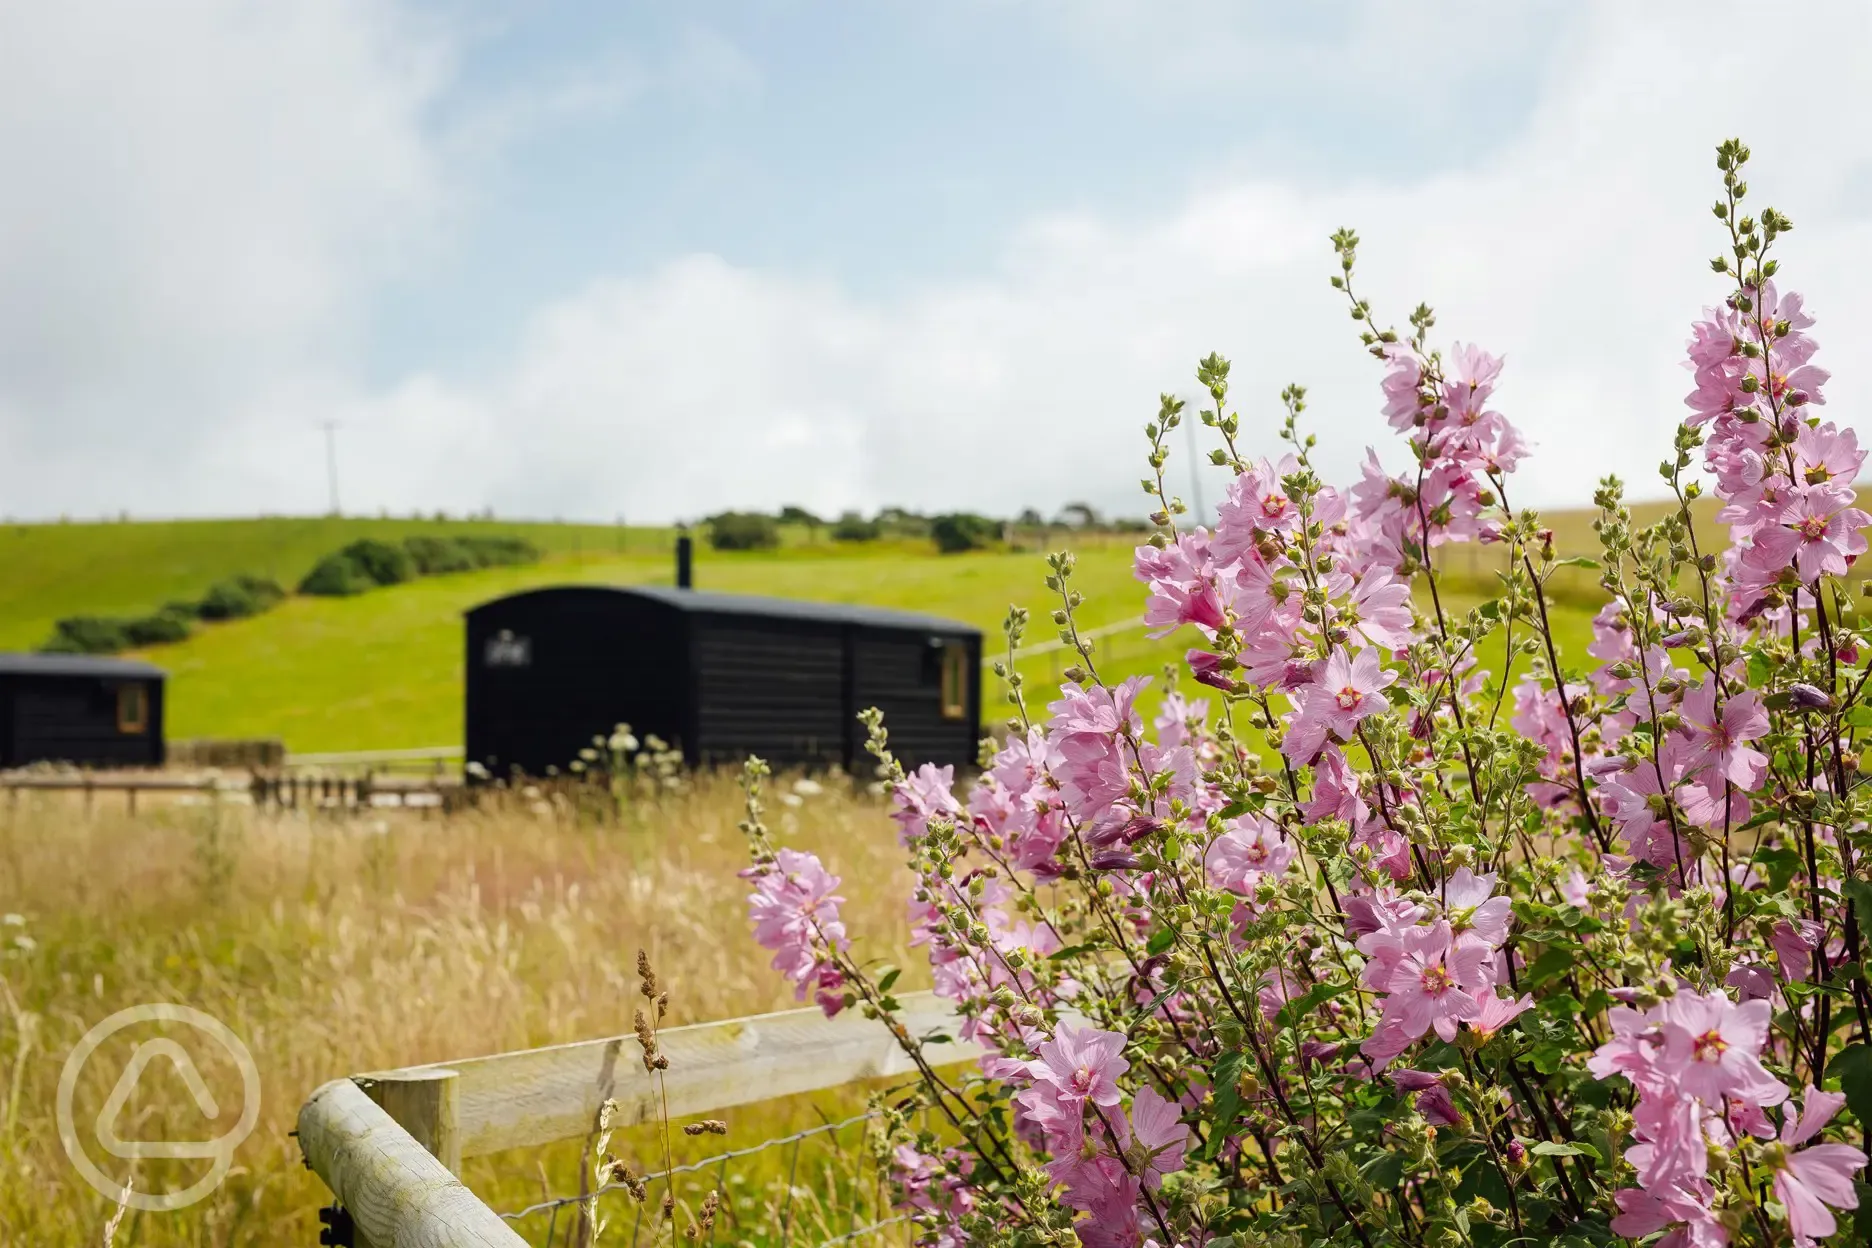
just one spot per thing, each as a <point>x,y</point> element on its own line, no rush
<point>685,562</point>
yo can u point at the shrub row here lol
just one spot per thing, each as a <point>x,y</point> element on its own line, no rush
<point>953,532</point>
<point>369,563</point>
<point>231,599</point>
<point>362,565</point>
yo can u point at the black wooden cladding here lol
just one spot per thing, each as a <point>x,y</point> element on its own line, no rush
<point>720,676</point>
<point>93,712</point>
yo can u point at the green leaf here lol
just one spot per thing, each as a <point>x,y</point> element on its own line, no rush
<point>1228,1068</point>
<point>1576,561</point>
<point>1160,940</point>
<point>1778,863</point>
<point>1222,1115</point>
<point>1852,1066</point>
<point>889,977</point>
<point>1552,964</point>
<point>1550,1148</point>
<point>1386,1172</point>
<point>1151,1007</point>
<point>1070,951</point>
<point>1548,1058</point>
<point>1303,1005</point>
<point>1861,894</point>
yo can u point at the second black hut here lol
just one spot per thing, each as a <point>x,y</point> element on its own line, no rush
<point>721,676</point>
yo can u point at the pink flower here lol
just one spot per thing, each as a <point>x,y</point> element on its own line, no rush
<point>1720,739</point>
<point>1258,501</point>
<point>1498,1011</point>
<point>1081,1064</point>
<point>1380,610</point>
<point>1811,1179</point>
<point>1433,983</point>
<point>1158,1136</point>
<point>795,914</point>
<point>1471,907</point>
<point>1816,534</point>
<point>1713,1047</point>
<point>1344,692</point>
<point>925,794</point>
<point>1794,944</point>
<point>1643,1213</point>
<point>1251,848</point>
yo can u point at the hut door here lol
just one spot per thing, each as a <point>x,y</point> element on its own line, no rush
<point>954,680</point>
<point>132,710</point>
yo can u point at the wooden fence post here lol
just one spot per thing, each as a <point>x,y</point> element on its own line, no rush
<point>425,1103</point>
<point>398,1192</point>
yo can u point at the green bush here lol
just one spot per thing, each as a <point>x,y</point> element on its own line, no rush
<point>383,563</point>
<point>239,597</point>
<point>434,556</point>
<point>437,556</point>
<point>852,527</point>
<point>499,552</point>
<point>335,576</point>
<point>167,625</point>
<point>962,530</point>
<point>87,634</point>
<point>743,530</point>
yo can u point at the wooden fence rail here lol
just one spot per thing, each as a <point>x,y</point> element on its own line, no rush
<point>389,1143</point>
<point>288,791</point>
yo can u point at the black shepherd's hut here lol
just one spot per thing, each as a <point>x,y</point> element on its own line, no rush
<point>77,708</point>
<point>720,675</point>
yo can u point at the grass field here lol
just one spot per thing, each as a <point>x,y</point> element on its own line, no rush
<point>335,947</point>
<point>384,669</point>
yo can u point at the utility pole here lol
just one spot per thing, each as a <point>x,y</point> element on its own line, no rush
<point>331,460</point>
<point>1195,472</point>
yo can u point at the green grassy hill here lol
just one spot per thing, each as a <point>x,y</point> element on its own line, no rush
<point>133,567</point>
<point>384,669</point>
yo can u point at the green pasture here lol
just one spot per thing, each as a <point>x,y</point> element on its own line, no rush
<point>384,669</point>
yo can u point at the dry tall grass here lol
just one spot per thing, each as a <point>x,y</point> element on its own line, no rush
<point>341,945</point>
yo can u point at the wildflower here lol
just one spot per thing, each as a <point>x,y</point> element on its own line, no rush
<point>795,914</point>
<point>1344,692</point>
<point>1817,1176</point>
<point>1081,1064</point>
<point>1158,1136</point>
<point>1712,1045</point>
<point>1720,738</point>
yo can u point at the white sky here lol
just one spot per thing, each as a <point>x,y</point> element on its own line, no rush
<point>588,264</point>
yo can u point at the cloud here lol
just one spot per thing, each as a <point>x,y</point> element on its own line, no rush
<point>296,170</point>
<point>199,195</point>
<point>1579,249</point>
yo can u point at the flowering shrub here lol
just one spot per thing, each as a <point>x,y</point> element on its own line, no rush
<point>1412,929</point>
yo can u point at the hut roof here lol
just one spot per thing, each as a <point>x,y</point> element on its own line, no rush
<point>707,602</point>
<point>14,664</point>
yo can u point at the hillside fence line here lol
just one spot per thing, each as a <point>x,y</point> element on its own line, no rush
<point>390,1144</point>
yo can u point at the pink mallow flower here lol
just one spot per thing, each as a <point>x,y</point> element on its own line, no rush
<point>1809,1180</point>
<point>1720,738</point>
<point>1713,1047</point>
<point>1158,1137</point>
<point>1434,983</point>
<point>795,914</point>
<point>1344,692</point>
<point>1081,1064</point>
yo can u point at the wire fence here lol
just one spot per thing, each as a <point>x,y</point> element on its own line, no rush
<point>815,1187</point>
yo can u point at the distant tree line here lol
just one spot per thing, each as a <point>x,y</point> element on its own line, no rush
<point>362,565</point>
<point>952,532</point>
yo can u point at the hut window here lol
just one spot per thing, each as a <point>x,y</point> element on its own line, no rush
<point>132,709</point>
<point>954,680</point>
